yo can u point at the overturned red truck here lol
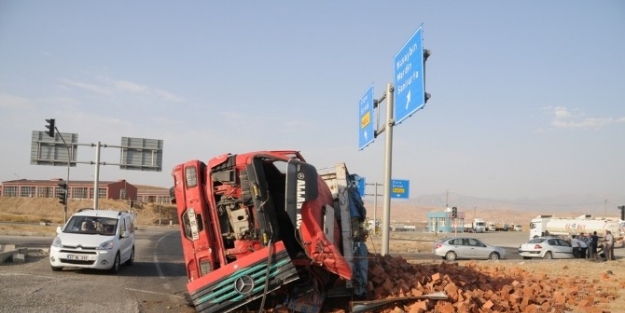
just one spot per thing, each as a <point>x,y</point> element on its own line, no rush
<point>265,227</point>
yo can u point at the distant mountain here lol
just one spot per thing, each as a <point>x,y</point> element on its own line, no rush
<point>519,210</point>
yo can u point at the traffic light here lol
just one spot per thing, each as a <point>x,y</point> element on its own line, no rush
<point>62,194</point>
<point>454,212</point>
<point>50,127</point>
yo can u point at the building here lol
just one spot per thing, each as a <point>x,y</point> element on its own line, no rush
<point>83,189</point>
<point>443,222</point>
<point>151,194</point>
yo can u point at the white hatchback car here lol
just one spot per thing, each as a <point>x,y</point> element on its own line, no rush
<point>94,239</point>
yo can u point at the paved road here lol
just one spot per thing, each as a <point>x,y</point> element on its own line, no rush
<point>156,283</point>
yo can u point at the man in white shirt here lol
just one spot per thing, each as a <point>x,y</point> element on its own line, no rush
<point>608,246</point>
<point>575,245</point>
<point>583,246</point>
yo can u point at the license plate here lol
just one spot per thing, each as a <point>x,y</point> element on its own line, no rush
<point>78,257</point>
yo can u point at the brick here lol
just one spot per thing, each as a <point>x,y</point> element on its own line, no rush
<point>436,277</point>
<point>445,307</point>
<point>418,307</point>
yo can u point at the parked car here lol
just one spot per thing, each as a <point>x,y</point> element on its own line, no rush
<point>546,248</point>
<point>94,239</point>
<point>467,248</point>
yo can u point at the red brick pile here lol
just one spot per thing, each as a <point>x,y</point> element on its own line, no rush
<point>481,287</point>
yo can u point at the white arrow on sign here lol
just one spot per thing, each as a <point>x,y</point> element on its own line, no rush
<point>408,98</point>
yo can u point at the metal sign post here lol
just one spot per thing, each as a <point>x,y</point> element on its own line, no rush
<point>409,66</point>
<point>135,154</point>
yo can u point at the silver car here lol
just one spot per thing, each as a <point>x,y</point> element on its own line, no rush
<point>546,248</point>
<point>467,248</point>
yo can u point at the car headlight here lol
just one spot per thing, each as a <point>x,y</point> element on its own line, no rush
<point>107,245</point>
<point>57,242</point>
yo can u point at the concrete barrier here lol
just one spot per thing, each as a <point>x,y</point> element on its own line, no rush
<point>6,252</point>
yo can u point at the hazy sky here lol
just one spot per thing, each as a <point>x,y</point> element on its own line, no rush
<point>528,97</point>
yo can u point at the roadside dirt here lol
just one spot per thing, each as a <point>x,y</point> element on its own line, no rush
<point>582,285</point>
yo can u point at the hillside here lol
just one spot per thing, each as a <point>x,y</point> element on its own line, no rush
<point>409,212</point>
<point>50,210</point>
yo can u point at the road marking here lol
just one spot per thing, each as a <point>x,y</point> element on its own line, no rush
<point>156,262</point>
<point>155,293</point>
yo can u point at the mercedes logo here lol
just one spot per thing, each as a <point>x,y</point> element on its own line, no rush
<point>244,285</point>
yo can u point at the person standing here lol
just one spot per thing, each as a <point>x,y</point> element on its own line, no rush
<point>575,245</point>
<point>583,246</point>
<point>594,242</point>
<point>608,246</point>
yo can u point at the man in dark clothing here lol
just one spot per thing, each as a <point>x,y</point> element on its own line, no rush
<point>594,241</point>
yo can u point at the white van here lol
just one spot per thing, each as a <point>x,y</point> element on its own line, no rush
<point>95,239</point>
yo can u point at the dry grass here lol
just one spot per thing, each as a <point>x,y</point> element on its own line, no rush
<point>36,210</point>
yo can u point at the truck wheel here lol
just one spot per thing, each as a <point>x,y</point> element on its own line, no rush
<point>548,255</point>
<point>450,256</point>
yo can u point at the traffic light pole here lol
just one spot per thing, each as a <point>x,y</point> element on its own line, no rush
<point>69,160</point>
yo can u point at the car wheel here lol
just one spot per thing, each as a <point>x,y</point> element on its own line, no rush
<point>131,261</point>
<point>526,258</point>
<point>548,255</point>
<point>450,256</point>
<point>115,267</point>
<point>494,256</point>
<point>56,269</point>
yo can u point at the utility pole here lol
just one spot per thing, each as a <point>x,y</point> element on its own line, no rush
<point>375,205</point>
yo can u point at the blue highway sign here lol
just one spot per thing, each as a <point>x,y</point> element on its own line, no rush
<point>400,189</point>
<point>409,78</point>
<point>365,119</point>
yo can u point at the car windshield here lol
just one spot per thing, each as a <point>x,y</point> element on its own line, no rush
<point>91,225</point>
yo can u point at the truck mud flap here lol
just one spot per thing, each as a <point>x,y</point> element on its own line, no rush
<point>243,281</point>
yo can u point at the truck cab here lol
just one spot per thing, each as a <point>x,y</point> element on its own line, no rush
<point>255,224</point>
<point>479,225</point>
